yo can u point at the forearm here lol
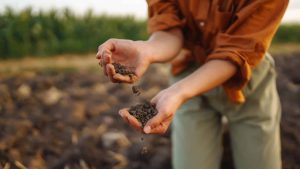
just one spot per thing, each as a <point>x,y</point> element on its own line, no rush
<point>207,77</point>
<point>162,46</point>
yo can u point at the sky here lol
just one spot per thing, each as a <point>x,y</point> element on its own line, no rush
<point>137,8</point>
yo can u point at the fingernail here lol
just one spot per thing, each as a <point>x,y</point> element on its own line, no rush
<point>120,113</point>
<point>147,129</point>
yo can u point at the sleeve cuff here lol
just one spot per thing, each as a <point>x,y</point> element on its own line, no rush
<point>243,74</point>
<point>163,22</point>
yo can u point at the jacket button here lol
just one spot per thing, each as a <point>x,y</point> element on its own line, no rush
<point>201,24</point>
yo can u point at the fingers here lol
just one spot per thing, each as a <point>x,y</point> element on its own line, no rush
<point>98,55</point>
<point>157,123</point>
<point>160,129</point>
<point>106,57</point>
<point>125,78</point>
<point>130,119</point>
<point>106,48</point>
<point>110,71</point>
<point>104,53</point>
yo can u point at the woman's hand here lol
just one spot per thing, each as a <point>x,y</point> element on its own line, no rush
<point>162,46</point>
<point>166,103</point>
<point>130,53</point>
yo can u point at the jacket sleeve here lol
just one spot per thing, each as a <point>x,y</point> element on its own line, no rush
<point>245,41</point>
<point>163,15</point>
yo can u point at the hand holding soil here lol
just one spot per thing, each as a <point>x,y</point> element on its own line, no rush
<point>123,72</point>
<point>123,61</point>
<point>154,117</point>
<point>143,112</point>
<point>166,102</point>
<point>126,61</point>
<point>137,116</point>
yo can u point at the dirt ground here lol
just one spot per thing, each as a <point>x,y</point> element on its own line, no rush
<point>65,117</point>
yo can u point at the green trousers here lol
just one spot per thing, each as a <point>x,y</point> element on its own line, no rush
<point>253,126</point>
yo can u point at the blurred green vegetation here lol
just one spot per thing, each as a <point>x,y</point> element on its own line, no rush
<point>287,33</point>
<point>56,32</point>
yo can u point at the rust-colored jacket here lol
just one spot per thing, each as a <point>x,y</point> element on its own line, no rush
<point>236,30</point>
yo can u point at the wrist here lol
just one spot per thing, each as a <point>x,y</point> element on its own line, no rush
<point>145,50</point>
<point>181,91</point>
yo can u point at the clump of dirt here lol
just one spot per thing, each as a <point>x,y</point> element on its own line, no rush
<point>122,69</point>
<point>136,90</point>
<point>143,112</point>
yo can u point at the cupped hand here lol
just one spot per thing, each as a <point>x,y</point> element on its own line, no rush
<point>131,54</point>
<point>131,120</point>
<point>166,102</point>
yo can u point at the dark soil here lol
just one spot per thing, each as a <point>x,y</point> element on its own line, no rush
<point>136,90</point>
<point>143,112</point>
<point>122,69</point>
<point>57,120</point>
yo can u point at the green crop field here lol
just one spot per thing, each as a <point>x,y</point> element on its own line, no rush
<point>56,32</point>
<point>41,34</point>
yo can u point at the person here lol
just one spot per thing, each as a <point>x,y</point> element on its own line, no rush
<point>220,68</point>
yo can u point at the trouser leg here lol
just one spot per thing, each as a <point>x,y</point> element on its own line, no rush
<point>196,137</point>
<point>255,127</point>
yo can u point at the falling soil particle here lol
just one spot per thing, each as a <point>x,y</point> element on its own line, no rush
<point>136,90</point>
